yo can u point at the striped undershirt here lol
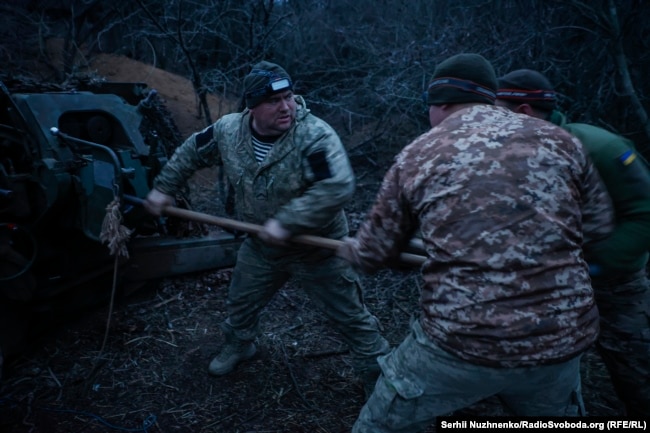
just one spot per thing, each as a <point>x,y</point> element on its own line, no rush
<point>261,148</point>
<point>262,144</point>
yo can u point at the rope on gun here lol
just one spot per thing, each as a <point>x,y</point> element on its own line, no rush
<point>116,235</point>
<point>113,232</point>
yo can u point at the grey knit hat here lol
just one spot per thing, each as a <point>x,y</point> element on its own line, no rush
<point>463,78</point>
<point>264,80</point>
<point>525,86</point>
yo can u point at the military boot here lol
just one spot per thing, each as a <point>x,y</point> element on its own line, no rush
<point>368,380</point>
<point>232,353</point>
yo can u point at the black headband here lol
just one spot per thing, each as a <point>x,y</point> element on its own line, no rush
<point>526,95</point>
<point>275,84</point>
<point>466,85</point>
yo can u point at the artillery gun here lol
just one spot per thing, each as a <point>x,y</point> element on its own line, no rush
<point>65,156</point>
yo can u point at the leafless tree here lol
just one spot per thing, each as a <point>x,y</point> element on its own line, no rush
<point>363,64</point>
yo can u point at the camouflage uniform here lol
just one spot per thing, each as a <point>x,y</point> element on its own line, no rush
<point>620,283</point>
<point>303,183</point>
<point>504,203</point>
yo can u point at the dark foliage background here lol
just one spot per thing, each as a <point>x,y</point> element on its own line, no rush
<point>362,64</point>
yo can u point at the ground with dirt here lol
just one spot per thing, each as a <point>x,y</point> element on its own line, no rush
<point>149,374</point>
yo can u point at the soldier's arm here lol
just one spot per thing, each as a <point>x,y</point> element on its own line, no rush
<point>597,209</point>
<point>385,231</point>
<point>200,150</point>
<point>331,183</point>
<point>627,178</point>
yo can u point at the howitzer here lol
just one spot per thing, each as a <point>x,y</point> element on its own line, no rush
<point>65,155</point>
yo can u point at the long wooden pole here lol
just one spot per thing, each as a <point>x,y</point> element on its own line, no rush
<point>227,223</point>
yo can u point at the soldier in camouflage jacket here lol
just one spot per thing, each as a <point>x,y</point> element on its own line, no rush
<point>290,172</point>
<point>503,203</point>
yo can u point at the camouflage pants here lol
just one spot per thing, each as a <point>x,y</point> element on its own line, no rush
<point>331,284</point>
<point>420,381</point>
<point>624,341</point>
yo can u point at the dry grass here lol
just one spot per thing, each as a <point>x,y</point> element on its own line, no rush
<point>153,368</point>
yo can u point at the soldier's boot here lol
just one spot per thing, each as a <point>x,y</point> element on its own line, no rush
<point>367,367</point>
<point>367,371</point>
<point>233,352</point>
<point>368,380</point>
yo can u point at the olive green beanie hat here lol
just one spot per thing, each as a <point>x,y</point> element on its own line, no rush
<point>264,80</point>
<point>463,78</point>
<point>525,86</point>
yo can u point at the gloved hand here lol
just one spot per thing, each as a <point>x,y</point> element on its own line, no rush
<point>349,250</point>
<point>274,233</point>
<point>156,201</point>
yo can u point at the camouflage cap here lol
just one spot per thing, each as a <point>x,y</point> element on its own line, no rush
<point>463,78</point>
<point>526,86</point>
<point>265,79</point>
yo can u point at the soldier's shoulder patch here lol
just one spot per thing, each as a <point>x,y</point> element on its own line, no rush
<point>627,157</point>
<point>634,175</point>
<point>204,137</point>
<point>319,165</point>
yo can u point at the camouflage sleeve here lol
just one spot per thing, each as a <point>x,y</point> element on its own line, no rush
<point>195,153</point>
<point>330,180</point>
<point>597,209</point>
<point>387,228</point>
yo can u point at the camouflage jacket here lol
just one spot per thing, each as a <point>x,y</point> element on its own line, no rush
<point>627,178</point>
<point>503,203</point>
<point>304,181</point>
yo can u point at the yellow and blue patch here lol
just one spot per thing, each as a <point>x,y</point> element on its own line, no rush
<point>627,158</point>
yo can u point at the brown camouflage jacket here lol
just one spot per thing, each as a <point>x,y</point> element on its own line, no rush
<point>504,203</point>
<point>304,181</point>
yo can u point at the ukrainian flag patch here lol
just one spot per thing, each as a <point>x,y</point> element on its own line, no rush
<point>627,158</point>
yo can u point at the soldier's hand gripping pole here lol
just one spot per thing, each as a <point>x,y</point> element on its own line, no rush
<point>227,223</point>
